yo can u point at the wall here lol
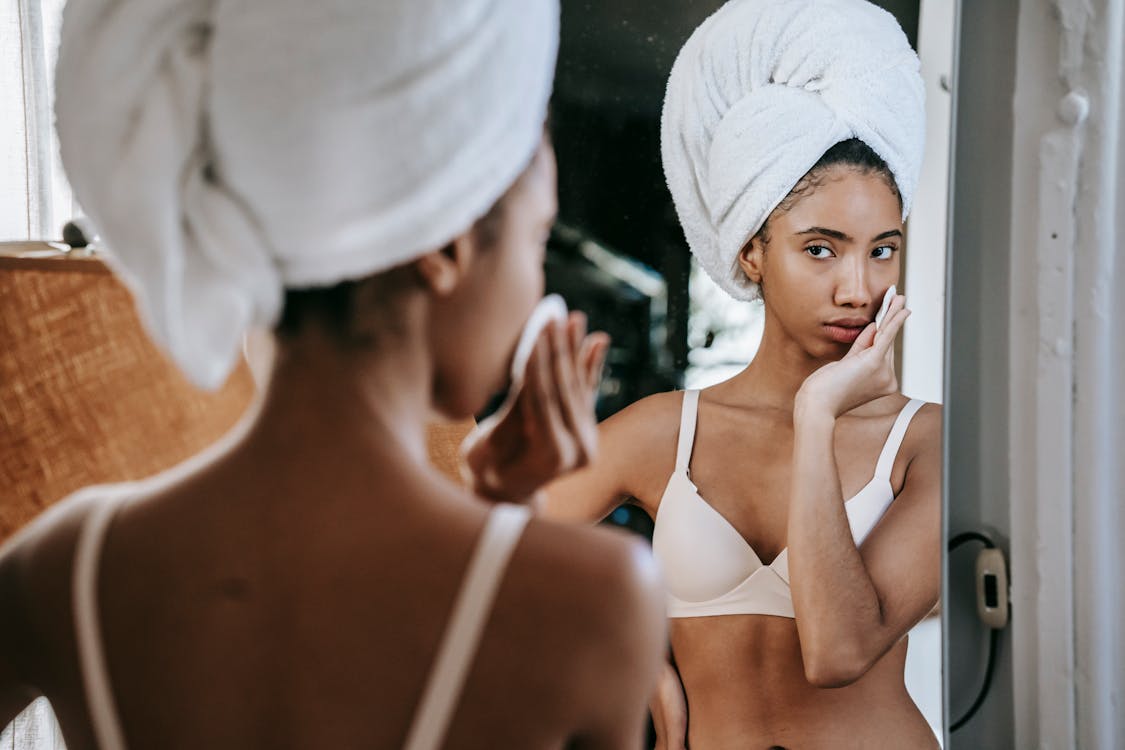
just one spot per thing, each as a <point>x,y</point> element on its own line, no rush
<point>923,340</point>
<point>1036,442</point>
<point>1067,413</point>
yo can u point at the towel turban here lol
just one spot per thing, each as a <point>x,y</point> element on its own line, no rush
<point>229,149</point>
<point>761,90</point>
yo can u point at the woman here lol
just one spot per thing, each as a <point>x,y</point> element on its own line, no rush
<point>789,606</point>
<point>373,179</point>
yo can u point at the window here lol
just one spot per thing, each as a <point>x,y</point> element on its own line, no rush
<point>35,199</point>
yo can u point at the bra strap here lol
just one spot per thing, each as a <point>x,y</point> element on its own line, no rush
<point>687,430</point>
<point>894,439</point>
<point>91,650</point>
<point>462,635</point>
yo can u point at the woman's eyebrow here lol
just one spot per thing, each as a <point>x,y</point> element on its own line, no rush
<point>833,233</point>
<point>886,235</point>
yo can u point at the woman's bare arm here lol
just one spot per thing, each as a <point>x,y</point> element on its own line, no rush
<point>853,604</point>
<point>635,451</point>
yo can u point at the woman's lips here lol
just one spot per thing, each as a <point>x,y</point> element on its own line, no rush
<point>843,334</point>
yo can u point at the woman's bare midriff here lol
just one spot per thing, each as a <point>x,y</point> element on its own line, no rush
<point>746,688</point>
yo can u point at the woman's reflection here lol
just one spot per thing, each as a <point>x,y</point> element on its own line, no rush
<point>797,514</point>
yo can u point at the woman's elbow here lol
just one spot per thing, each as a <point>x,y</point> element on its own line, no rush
<point>835,666</point>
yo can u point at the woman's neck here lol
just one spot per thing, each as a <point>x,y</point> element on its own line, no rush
<point>778,370</point>
<point>377,401</point>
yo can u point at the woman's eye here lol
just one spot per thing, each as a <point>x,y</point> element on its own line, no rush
<point>883,252</point>
<point>818,251</point>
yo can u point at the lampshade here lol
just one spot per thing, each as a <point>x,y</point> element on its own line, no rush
<point>85,397</point>
<point>444,444</point>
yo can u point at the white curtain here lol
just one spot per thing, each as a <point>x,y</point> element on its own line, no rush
<point>34,729</point>
<point>35,199</point>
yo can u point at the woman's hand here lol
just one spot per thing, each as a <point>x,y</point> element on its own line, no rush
<point>866,372</point>
<point>669,711</point>
<point>551,429</point>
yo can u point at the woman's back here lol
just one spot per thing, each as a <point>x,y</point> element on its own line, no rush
<point>239,613</point>
<point>373,182</point>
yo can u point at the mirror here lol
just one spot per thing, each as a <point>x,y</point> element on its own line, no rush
<point>619,252</point>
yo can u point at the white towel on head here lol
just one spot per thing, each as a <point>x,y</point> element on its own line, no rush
<point>757,95</point>
<point>228,150</point>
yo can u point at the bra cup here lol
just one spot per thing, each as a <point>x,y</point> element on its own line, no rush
<point>702,555</point>
<point>780,565</point>
<point>710,570</point>
<point>763,592</point>
<point>867,506</point>
<point>864,509</point>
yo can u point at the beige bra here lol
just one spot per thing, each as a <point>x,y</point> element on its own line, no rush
<point>708,566</point>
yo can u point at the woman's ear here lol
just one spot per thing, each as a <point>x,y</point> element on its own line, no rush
<point>442,271</point>
<point>750,258</point>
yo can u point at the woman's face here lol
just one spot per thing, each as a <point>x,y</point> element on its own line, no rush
<point>830,259</point>
<point>478,327</point>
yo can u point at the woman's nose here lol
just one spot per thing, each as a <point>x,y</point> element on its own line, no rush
<point>853,289</point>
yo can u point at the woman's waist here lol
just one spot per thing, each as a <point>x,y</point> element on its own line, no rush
<point>893,725</point>
<point>784,696</point>
<point>744,677</point>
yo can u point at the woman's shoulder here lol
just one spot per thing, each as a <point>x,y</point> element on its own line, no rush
<point>599,565</point>
<point>597,594</point>
<point>925,421</point>
<point>926,424</point>
<point>559,567</point>
<point>921,446</point>
<point>48,541</point>
<point>639,443</point>
<point>661,407</point>
<point>36,571</point>
<point>648,422</point>
<point>607,575</point>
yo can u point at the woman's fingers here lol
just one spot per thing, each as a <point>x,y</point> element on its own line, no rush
<point>552,428</point>
<point>884,343</point>
<point>560,389</point>
<point>576,327</point>
<point>897,304</point>
<point>580,399</point>
<point>592,359</point>
<point>568,384</point>
<point>595,364</point>
<point>892,324</point>
<point>579,351</point>
<point>669,710</point>
<point>864,342</point>
<point>535,406</point>
<point>541,382</point>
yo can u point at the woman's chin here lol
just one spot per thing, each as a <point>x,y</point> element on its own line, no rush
<point>828,349</point>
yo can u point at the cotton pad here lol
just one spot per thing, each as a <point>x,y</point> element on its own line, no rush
<point>890,295</point>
